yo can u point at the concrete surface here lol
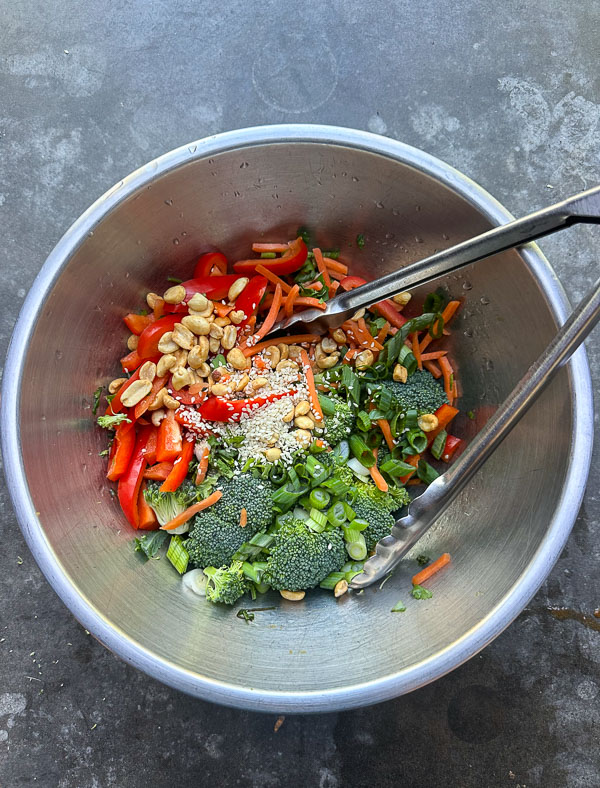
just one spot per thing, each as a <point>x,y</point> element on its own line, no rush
<point>507,92</point>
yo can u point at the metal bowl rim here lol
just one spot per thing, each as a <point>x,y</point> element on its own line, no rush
<point>246,697</point>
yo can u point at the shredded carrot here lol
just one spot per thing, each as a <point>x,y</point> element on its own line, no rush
<point>352,353</point>
<point>243,518</point>
<point>310,382</point>
<point>335,265</point>
<point>413,460</point>
<point>432,367</point>
<point>222,310</point>
<point>384,426</point>
<point>447,316</point>
<point>290,299</point>
<point>277,248</point>
<point>296,340</point>
<point>383,332</point>
<point>333,288</point>
<point>271,316</point>
<point>192,510</point>
<point>424,575</point>
<point>276,280</point>
<point>380,482</point>
<point>259,363</point>
<point>314,286</point>
<point>321,266</point>
<point>434,355</point>
<point>336,275</point>
<point>416,349</point>
<point>447,372</point>
<point>202,466</point>
<point>308,301</point>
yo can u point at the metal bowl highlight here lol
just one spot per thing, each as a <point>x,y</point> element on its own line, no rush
<point>504,533</point>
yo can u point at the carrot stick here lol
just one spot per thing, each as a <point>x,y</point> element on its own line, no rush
<point>434,355</point>
<point>277,248</point>
<point>447,372</point>
<point>335,265</point>
<point>202,465</point>
<point>222,310</point>
<point>383,332</point>
<point>380,482</point>
<point>447,316</point>
<point>271,316</point>
<point>290,299</point>
<point>416,349</point>
<point>308,301</point>
<point>322,267</point>
<point>314,286</point>
<point>384,426</point>
<point>336,275</point>
<point>432,367</point>
<point>424,575</point>
<point>414,461</point>
<point>192,510</point>
<point>297,340</point>
<point>243,518</point>
<point>310,382</point>
<point>260,269</point>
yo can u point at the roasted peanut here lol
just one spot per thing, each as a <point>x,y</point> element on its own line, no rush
<point>214,345</point>
<point>340,588</point>
<point>289,415</point>
<point>402,299</point>
<point>284,350</point>
<point>293,596</point>
<point>339,336</point>
<point>198,302</point>
<point>236,288</point>
<point>286,364</point>
<point>294,352</point>
<point>400,374</point>
<point>165,363</point>
<point>132,341</point>
<point>197,325</point>
<point>183,336</point>
<point>203,371</point>
<point>175,295</point>
<point>428,422</point>
<point>364,359</point>
<point>166,344</point>
<point>259,382</point>
<point>180,378</point>
<point>302,408</point>
<point>157,417</point>
<point>273,355</point>
<point>329,361</point>
<point>158,400</point>
<point>237,359</point>
<point>136,392</point>
<point>272,455</point>
<point>219,390</point>
<point>216,332</point>
<point>152,299</point>
<point>236,316</point>
<point>303,437</point>
<point>199,353</point>
<point>328,344</point>
<point>222,321</point>
<point>115,385</point>
<point>170,402</point>
<point>304,422</point>
<point>147,371</point>
<point>242,383</point>
<point>359,314</point>
<point>229,337</point>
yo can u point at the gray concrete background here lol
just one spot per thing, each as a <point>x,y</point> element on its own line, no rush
<point>507,92</point>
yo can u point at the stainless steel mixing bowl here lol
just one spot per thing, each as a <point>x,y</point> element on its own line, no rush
<point>504,533</point>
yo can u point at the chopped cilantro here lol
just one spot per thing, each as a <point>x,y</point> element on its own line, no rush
<point>399,607</point>
<point>110,422</point>
<point>96,399</point>
<point>150,544</point>
<point>421,593</point>
<point>360,241</point>
<point>423,559</point>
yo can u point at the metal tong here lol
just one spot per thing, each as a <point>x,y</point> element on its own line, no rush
<point>426,508</point>
<point>583,207</point>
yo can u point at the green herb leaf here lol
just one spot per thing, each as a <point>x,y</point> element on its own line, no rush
<point>104,453</point>
<point>150,544</point>
<point>423,559</point>
<point>111,422</point>
<point>470,414</point>
<point>175,279</point>
<point>96,399</point>
<point>218,361</point>
<point>399,607</point>
<point>360,241</point>
<point>304,233</point>
<point>421,593</point>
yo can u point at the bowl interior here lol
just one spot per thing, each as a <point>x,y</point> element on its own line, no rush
<point>312,649</point>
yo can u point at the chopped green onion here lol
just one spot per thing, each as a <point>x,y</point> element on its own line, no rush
<point>417,439</point>
<point>175,279</point>
<point>436,301</point>
<point>437,447</point>
<point>254,571</point>
<point>284,497</point>
<point>342,451</point>
<point>351,383</point>
<point>262,588</point>
<point>268,255</point>
<point>399,607</point>
<point>318,517</point>
<point>337,514</point>
<point>327,405</point>
<point>177,554</point>
<point>317,448</point>
<point>358,549</point>
<point>396,468</point>
<point>363,420</point>
<point>254,546</point>
<point>357,525</point>
<point>407,359</point>
<point>426,473</point>
<point>361,451</point>
<point>352,534</point>
<point>350,513</point>
<point>421,593</point>
<point>332,580</point>
<point>336,486</point>
<point>319,499</point>
<point>314,525</point>
<point>304,233</point>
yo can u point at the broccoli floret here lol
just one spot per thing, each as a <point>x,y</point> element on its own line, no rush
<point>167,505</point>
<point>301,559</point>
<point>421,391</point>
<point>250,493</point>
<point>340,419</point>
<point>226,584</point>
<point>213,541</point>
<point>392,500</point>
<point>380,520</point>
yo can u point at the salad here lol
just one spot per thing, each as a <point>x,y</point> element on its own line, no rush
<point>276,463</point>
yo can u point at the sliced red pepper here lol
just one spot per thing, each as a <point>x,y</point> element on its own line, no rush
<point>144,403</point>
<point>445,414</point>
<point>180,468</point>
<point>131,481</point>
<point>147,518</point>
<point>213,287</point>
<point>169,443</point>
<point>452,444</point>
<point>250,297</point>
<point>207,262</point>
<point>383,308</point>
<point>158,472</point>
<point>193,395</point>
<point>221,409</point>
<point>151,446</point>
<point>131,361</point>
<point>150,336</point>
<point>291,260</point>
<point>121,450</point>
<point>137,323</point>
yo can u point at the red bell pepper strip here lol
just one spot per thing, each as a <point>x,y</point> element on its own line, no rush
<point>131,361</point>
<point>121,450</point>
<point>180,468</point>
<point>221,409</point>
<point>291,260</point>
<point>131,481</point>
<point>207,262</point>
<point>250,297</point>
<point>158,472</point>
<point>137,323</point>
<point>144,403</point>
<point>383,308</point>
<point>151,445</point>
<point>450,447</point>
<point>445,414</point>
<point>193,395</point>
<point>213,287</point>
<point>169,443</point>
<point>150,336</point>
<point>147,518</point>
